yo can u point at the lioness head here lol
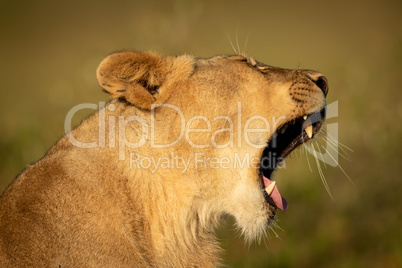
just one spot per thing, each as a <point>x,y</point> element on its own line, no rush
<point>220,126</point>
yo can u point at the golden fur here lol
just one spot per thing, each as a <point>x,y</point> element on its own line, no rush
<point>96,207</point>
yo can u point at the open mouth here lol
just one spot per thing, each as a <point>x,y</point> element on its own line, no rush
<point>285,140</point>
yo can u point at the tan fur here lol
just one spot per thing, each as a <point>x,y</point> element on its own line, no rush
<point>86,207</point>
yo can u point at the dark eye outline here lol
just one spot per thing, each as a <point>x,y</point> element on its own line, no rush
<point>260,67</point>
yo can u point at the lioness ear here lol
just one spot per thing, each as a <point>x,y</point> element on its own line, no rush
<point>139,77</point>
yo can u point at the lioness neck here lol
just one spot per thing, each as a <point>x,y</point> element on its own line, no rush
<point>176,226</point>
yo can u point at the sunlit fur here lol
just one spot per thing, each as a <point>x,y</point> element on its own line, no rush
<point>86,207</point>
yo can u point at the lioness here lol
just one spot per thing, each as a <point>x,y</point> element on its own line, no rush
<point>144,180</point>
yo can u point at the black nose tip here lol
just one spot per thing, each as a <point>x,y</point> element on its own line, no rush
<point>322,83</point>
<point>320,80</point>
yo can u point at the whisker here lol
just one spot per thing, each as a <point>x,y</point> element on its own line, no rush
<point>335,144</point>
<point>334,147</point>
<point>268,234</point>
<point>237,40</point>
<point>245,45</point>
<point>345,155</point>
<point>265,241</point>
<point>275,223</point>
<point>340,143</point>
<point>308,161</point>
<point>317,141</point>
<point>276,234</point>
<point>343,171</point>
<point>326,186</point>
<point>318,147</point>
<point>231,43</point>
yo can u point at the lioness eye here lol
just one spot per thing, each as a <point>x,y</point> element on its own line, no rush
<point>251,61</point>
<point>262,67</point>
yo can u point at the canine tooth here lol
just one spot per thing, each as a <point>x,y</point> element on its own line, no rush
<point>305,117</point>
<point>270,188</point>
<point>309,130</point>
<point>283,129</point>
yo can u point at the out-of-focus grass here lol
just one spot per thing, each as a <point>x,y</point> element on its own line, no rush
<point>49,52</point>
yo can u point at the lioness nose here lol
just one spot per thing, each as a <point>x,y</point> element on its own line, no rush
<point>320,81</point>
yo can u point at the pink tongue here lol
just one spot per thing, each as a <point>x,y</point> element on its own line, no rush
<point>279,201</point>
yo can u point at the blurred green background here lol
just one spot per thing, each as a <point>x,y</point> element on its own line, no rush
<point>49,52</point>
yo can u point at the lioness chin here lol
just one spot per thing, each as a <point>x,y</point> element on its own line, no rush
<point>144,181</point>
